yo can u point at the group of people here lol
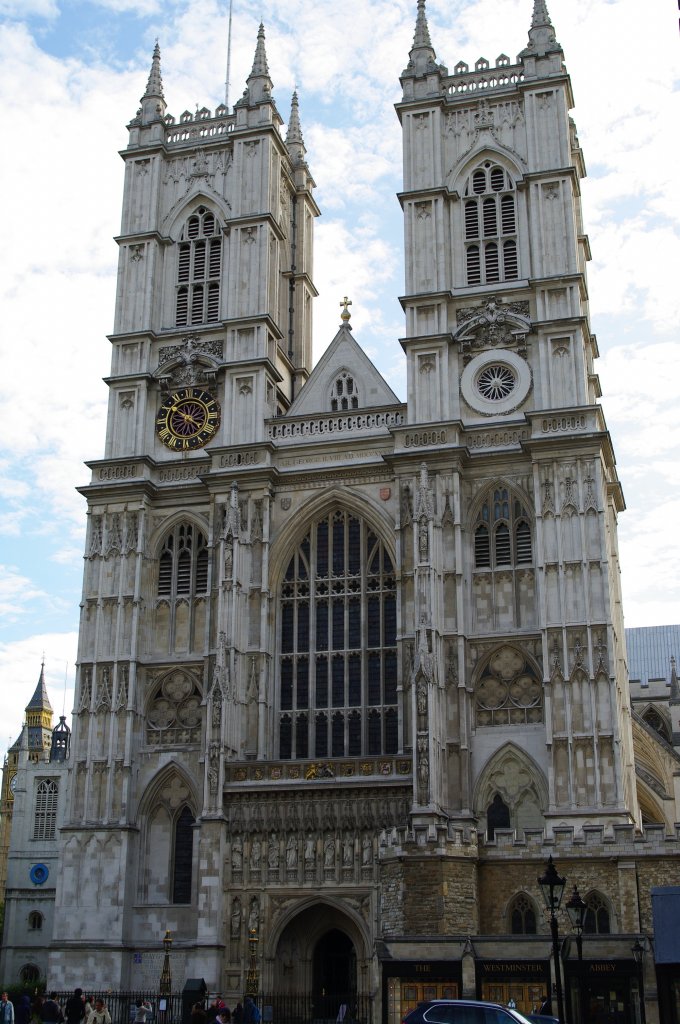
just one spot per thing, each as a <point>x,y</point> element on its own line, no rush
<point>219,1013</point>
<point>78,1009</point>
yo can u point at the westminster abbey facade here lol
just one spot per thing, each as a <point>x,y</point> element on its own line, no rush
<point>351,668</point>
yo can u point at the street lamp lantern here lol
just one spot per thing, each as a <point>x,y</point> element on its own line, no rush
<point>552,890</point>
<point>165,986</point>
<point>638,952</point>
<point>552,887</point>
<point>576,908</point>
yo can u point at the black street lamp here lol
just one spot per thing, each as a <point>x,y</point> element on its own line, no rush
<point>552,890</point>
<point>576,908</point>
<point>638,951</point>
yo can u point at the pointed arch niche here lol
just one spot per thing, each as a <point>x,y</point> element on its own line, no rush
<point>511,783</point>
<point>167,815</point>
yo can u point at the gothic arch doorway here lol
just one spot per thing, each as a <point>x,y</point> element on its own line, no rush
<point>320,962</point>
<point>334,973</point>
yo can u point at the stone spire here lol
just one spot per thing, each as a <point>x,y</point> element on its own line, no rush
<point>39,719</point>
<point>153,101</point>
<point>259,84</point>
<point>541,34</point>
<point>40,701</point>
<point>422,58</point>
<point>294,140</point>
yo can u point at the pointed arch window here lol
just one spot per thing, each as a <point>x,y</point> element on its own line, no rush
<point>337,644</point>
<point>183,857</point>
<point>183,563</point>
<point>522,916</point>
<point>344,392</point>
<point>596,919</point>
<point>497,816</point>
<point>502,534</point>
<point>45,816</point>
<point>199,266</point>
<point>490,226</point>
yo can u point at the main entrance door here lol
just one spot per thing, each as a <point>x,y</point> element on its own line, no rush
<point>334,975</point>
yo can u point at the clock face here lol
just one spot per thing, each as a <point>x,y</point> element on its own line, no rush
<point>188,419</point>
<point>13,783</point>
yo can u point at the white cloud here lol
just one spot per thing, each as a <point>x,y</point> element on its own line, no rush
<point>17,593</point>
<point>22,9</point>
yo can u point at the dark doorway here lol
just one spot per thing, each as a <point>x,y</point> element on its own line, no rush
<point>335,976</point>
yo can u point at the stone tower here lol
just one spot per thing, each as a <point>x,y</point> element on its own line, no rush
<point>332,645</point>
<point>520,590</point>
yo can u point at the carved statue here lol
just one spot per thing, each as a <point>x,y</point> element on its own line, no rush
<point>237,855</point>
<point>291,853</point>
<point>254,915</point>
<point>310,852</point>
<point>235,918</point>
<point>273,852</point>
<point>366,851</point>
<point>255,854</point>
<point>329,852</point>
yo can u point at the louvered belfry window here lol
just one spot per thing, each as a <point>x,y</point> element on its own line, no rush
<point>183,563</point>
<point>337,642</point>
<point>45,818</point>
<point>502,536</point>
<point>199,266</point>
<point>490,221</point>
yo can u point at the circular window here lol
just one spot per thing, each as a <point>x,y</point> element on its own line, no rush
<point>495,382</point>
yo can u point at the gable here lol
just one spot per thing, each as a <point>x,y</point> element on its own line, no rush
<point>344,374</point>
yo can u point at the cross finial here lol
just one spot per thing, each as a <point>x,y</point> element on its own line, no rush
<point>345,315</point>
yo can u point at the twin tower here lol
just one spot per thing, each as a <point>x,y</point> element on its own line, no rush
<point>331,642</point>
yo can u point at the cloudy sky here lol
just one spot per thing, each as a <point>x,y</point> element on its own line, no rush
<point>71,74</point>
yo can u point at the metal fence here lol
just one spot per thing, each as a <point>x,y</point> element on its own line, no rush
<point>276,1008</point>
<point>304,1008</point>
<point>122,1005</point>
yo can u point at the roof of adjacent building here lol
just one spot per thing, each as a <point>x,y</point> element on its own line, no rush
<point>650,649</point>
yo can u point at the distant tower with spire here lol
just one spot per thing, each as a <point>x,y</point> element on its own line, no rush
<point>39,715</point>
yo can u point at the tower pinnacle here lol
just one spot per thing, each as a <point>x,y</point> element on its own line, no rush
<point>294,140</point>
<point>541,34</point>
<point>259,84</point>
<point>422,58</point>
<point>153,101</point>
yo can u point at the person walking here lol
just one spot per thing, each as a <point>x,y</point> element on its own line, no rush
<point>75,1007</point>
<point>100,1015</point>
<point>6,1010</point>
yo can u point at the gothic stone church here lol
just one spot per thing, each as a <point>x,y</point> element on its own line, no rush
<point>351,669</point>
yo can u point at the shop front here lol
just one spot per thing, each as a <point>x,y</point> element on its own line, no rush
<point>523,984</point>
<point>604,991</point>
<point>407,983</point>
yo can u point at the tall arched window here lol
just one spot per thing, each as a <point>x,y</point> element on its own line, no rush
<point>490,226</point>
<point>596,918</point>
<point>497,816</point>
<point>502,532</point>
<point>35,921</point>
<point>183,857</point>
<point>338,644</point>
<point>183,563</point>
<point>199,265</point>
<point>45,817</point>
<point>522,916</point>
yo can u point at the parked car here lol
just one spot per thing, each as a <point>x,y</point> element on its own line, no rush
<point>541,1018</point>
<point>463,1011</point>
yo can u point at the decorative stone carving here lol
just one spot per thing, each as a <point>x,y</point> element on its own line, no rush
<point>493,324</point>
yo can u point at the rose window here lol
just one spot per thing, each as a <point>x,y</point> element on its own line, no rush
<point>496,382</point>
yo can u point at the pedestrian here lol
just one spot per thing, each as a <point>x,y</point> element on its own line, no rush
<point>237,1015</point>
<point>143,1010</point>
<point>198,1014</point>
<point>251,1014</point>
<point>100,1015</point>
<point>22,1013</point>
<point>6,1010</point>
<point>75,1007</point>
<point>50,1011</point>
